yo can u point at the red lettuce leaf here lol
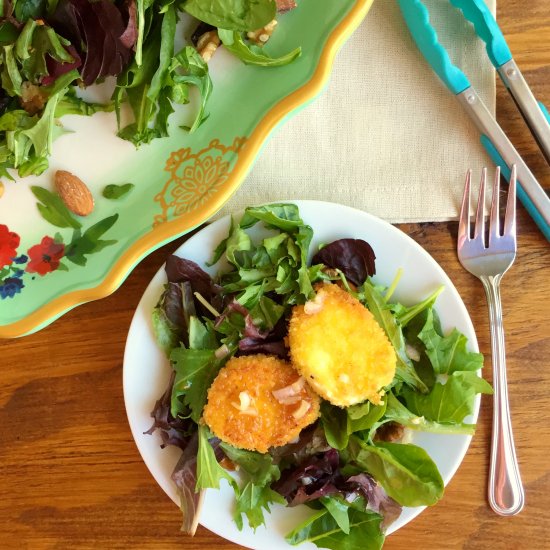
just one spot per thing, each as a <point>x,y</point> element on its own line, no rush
<point>375,496</point>
<point>354,257</point>
<point>173,431</point>
<point>99,33</point>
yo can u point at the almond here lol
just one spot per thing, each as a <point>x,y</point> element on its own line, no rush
<point>74,193</point>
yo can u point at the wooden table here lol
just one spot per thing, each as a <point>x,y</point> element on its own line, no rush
<point>72,477</point>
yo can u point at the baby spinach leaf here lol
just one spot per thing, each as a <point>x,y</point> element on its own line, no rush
<point>322,530</point>
<point>448,353</point>
<point>338,510</point>
<point>335,424</point>
<point>113,191</point>
<point>451,402</point>
<point>254,55</point>
<point>364,415</point>
<point>280,216</point>
<point>237,15</point>
<point>406,472</point>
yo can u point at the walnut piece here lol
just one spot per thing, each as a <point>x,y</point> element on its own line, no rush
<point>261,36</point>
<point>207,44</point>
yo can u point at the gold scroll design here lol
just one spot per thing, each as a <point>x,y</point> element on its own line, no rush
<point>195,177</point>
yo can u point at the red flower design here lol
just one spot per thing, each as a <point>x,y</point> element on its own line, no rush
<point>9,242</point>
<point>45,257</point>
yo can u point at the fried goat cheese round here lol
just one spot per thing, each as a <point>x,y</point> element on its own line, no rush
<point>338,346</point>
<point>259,401</point>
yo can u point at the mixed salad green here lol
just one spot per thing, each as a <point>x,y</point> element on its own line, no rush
<point>353,467</point>
<point>49,48</point>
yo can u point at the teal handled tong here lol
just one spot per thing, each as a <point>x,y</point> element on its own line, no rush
<point>493,138</point>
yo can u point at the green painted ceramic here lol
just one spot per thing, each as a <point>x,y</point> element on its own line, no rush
<point>179,181</point>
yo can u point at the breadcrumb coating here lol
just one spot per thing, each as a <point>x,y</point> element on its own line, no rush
<point>242,410</point>
<point>340,349</point>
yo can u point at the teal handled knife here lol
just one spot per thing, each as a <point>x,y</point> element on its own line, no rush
<point>416,15</point>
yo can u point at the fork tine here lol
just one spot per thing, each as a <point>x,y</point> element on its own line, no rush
<point>510,218</point>
<point>494,219</point>
<point>464,220</point>
<point>479,232</point>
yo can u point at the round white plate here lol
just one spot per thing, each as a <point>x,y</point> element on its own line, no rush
<point>147,371</point>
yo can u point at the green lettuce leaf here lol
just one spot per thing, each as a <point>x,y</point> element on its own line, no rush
<point>195,372</point>
<point>209,472</point>
<point>378,307</point>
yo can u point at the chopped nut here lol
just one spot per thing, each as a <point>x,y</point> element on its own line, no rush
<point>391,431</point>
<point>261,36</point>
<point>285,5</point>
<point>207,44</point>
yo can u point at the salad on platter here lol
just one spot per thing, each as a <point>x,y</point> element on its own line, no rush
<point>300,383</point>
<point>51,49</point>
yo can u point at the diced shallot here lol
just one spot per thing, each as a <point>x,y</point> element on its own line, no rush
<point>301,411</point>
<point>291,390</point>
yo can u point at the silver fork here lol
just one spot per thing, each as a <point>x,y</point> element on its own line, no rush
<point>489,263</point>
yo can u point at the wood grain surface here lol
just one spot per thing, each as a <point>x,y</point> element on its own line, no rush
<point>71,476</point>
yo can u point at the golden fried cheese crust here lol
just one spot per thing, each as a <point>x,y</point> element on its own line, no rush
<point>242,410</point>
<point>338,346</point>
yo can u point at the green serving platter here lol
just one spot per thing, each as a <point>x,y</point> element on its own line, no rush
<point>49,265</point>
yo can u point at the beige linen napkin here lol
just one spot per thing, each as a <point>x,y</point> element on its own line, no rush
<point>386,136</point>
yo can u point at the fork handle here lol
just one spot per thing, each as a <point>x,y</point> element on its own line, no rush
<point>506,496</point>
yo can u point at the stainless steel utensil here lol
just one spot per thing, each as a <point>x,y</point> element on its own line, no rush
<point>488,262</point>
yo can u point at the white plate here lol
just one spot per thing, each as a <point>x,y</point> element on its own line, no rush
<point>146,370</point>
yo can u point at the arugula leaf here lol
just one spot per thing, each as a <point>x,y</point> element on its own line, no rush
<point>195,73</point>
<point>252,500</point>
<point>448,354</point>
<point>195,372</point>
<point>259,467</point>
<point>451,402</point>
<point>89,242</point>
<point>209,472</point>
<point>323,530</point>
<point>406,472</point>
<point>237,15</point>
<point>406,314</point>
<point>254,55</point>
<point>53,209</point>
<point>113,191</point>
<point>397,412</point>
<point>378,307</point>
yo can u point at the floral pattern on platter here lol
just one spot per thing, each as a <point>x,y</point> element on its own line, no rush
<point>47,255</point>
<point>195,177</point>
